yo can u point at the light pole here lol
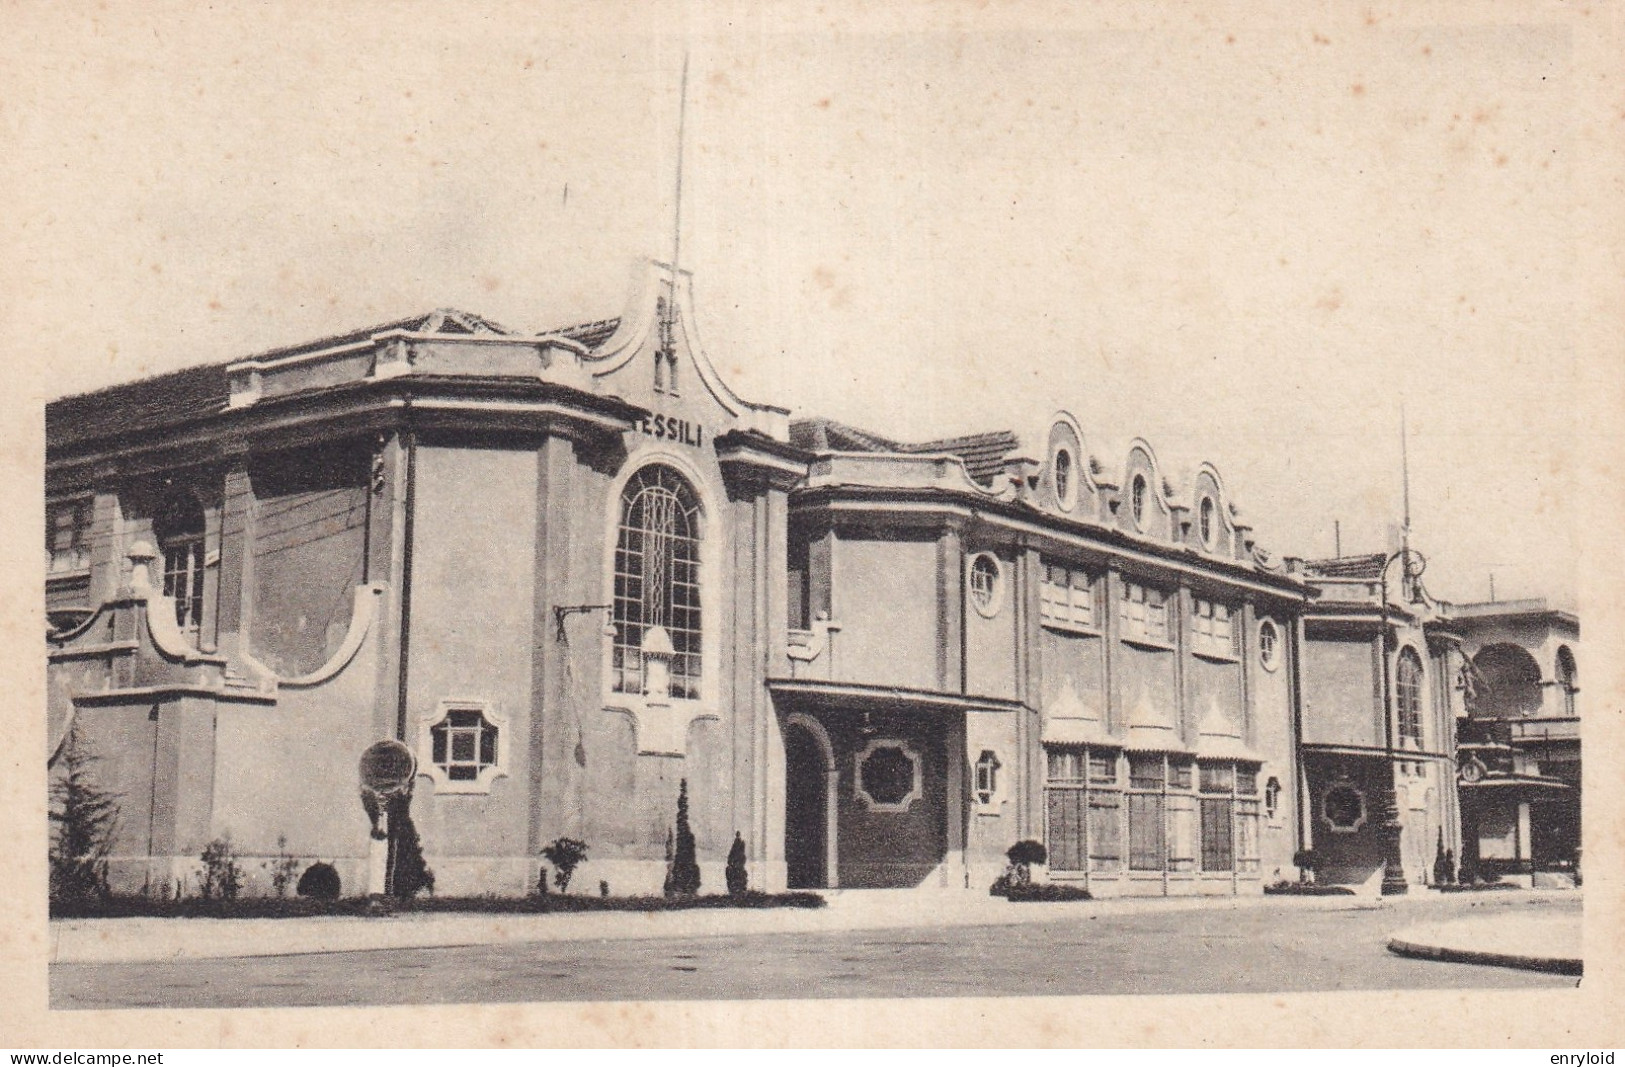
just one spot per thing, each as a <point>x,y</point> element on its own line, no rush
<point>1393,865</point>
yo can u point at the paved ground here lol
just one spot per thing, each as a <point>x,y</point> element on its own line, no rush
<point>1272,947</point>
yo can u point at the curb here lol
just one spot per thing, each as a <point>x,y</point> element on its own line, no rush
<point>1548,964</point>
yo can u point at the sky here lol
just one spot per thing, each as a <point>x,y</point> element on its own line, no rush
<point>1249,241</point>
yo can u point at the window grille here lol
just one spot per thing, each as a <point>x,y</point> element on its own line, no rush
<point>1408,693</point>
<point>657,579</point>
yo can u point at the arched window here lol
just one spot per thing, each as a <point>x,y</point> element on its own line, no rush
<point>1509,683</point>
<point>179,530</point>
<point>1408,693</point>
<point>657,580</point>
<point>1568,679</point>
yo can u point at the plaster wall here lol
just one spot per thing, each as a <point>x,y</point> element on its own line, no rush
<point>310,513</point>
<point>885,595</point>
<point>1340,693</point>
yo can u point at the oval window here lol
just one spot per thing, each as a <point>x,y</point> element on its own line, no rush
<point>1136,499</point>
<point>1208,522</point>
<point>1066,486</point>
<point>1269,645</point>
<point>985,584</point>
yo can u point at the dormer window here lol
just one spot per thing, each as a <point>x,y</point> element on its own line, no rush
<point>1066,484</point>
<point>1136,499</point>
<point>1207,522</point>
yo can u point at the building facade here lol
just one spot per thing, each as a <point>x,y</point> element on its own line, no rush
<point>573,573</point>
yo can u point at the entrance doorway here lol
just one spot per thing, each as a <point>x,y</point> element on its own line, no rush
<point>809,831</point>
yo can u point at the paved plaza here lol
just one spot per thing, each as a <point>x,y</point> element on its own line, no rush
<point>1024,950</point>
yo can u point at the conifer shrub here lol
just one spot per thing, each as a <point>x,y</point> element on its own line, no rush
<point>84,820</point>
<point>684,877</point>
<point>411,874</point>
<point>738,878</point>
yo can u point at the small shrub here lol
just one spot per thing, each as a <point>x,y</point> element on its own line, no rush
<point>603,889</point>
<point>85,821</point>
<point>320,881</point>
<point>222,874</point>
<point>685,868</point>
<point>411,874</point>
<point>1050,891</point>
<point>565,854</point>
<point>1027,853</point>
<point>738,877</point>
<point>1307,889</point>
<point>1022,855</point>
<point>284,869</point>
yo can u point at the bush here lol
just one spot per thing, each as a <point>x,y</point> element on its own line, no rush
<point>738,877</point>
<point>284,869</point>
<point>320,881</point>
<point>1027,853</point>
<point>1049,891</point>
<point>222,874</point>
<point>376,907</point>
<point>410,874</point>
<point>565,854</point>
<point>85,818</point>
<point>684,878</point>
<point>1307,889</point>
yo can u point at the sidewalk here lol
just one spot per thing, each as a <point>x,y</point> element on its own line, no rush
<point>128,940</point>
<point>1533,942</point>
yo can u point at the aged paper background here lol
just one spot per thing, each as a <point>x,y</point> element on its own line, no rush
<point>48,352</point>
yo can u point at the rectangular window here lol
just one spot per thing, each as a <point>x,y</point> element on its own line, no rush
<point>1217,777</point>
<point>67,536</point>
<point>1066,599</point>
<point>1065,764</point>
<point>1218,853</point>
<point>1247,836</point>
<point>1144,613</point>
<point>1213,631</point>
<point>1147,846</point>
<point>1103,767</point>
<point>1181,834</point>
<point>1179,774</point>
<point>1145,772</point>
<point>1105,835</point>
<point>1246,781</point>
<point>1067,850</point>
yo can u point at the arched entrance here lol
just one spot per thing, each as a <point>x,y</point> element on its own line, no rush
<point>809,805</point>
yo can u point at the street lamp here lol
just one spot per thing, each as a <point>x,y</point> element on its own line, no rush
<point>1393,864</point>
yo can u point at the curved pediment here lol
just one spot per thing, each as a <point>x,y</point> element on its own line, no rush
<point>654,357</point>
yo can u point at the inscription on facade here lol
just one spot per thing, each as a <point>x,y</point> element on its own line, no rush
<point>669,428</point>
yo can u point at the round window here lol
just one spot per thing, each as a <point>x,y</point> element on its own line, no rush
<point>1269,645</point>
<point>1066,486</point>
<point>986,588</point>
<point>1208,521</point>
<point>1136,499</point>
